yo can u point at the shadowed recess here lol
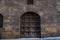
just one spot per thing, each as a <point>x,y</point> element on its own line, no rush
<point>30,25</point>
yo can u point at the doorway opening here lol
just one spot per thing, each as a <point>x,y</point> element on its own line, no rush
<point>30,25</point>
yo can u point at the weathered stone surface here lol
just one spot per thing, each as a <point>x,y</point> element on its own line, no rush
<point>13,9</point>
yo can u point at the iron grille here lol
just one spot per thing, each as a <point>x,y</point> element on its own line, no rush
<point>30,25</point>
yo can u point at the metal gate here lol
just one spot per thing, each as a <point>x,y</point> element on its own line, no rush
<point>30,25</point>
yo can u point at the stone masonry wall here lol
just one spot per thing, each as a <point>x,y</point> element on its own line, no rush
<point>13,9</point>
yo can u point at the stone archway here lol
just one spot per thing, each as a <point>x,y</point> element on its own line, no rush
<point>1,25</point>
<point>30,25</point>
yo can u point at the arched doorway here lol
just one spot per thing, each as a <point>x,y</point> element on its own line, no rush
<point>30,25</point>
<point>1,25</point>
